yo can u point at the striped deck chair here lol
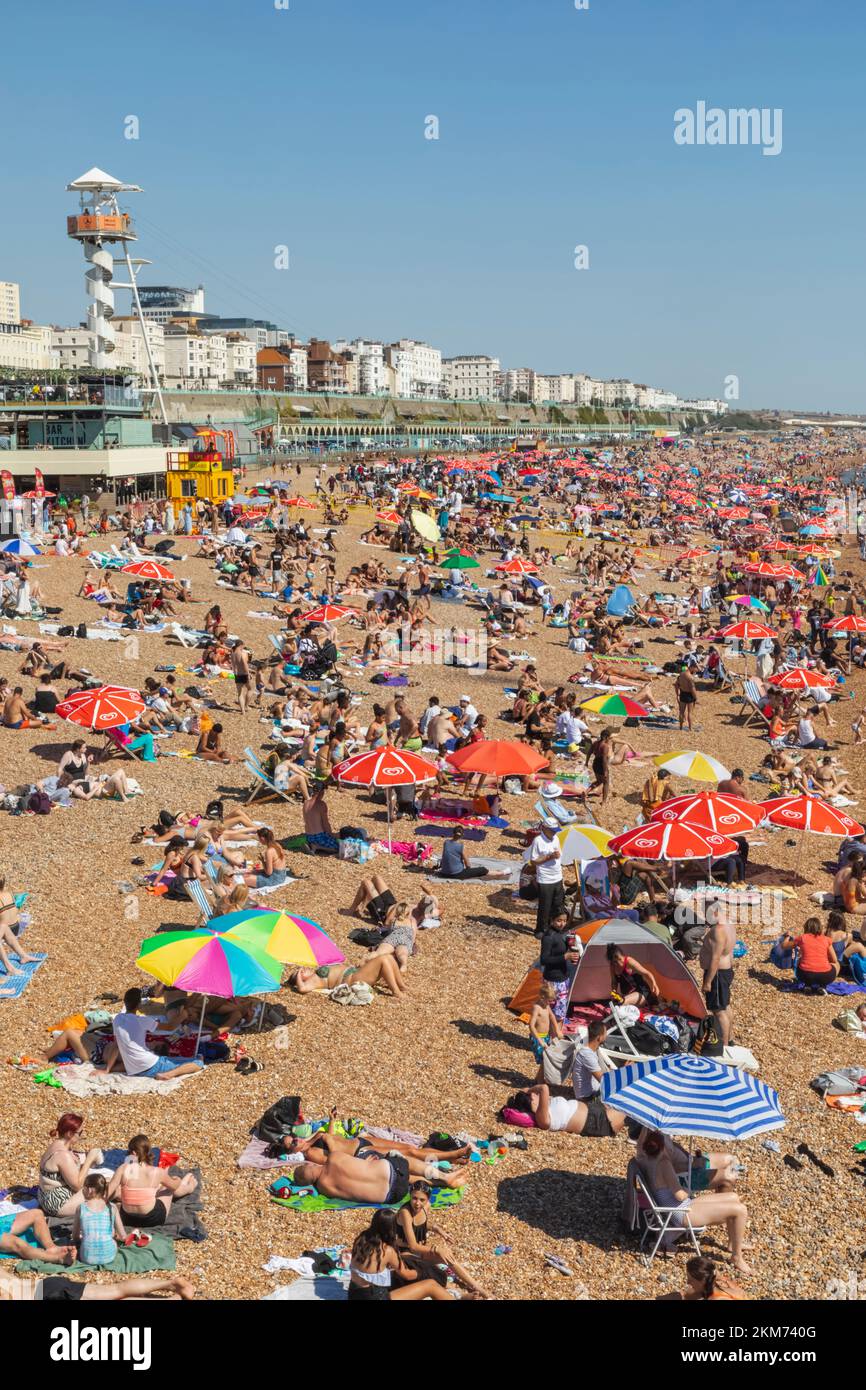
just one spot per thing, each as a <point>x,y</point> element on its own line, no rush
<point>198,898</point>
<point>753,693</point>
<point>262,789</point>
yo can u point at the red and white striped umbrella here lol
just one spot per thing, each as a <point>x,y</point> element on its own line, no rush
<point>326,613</point>
<point>385,767</point>
<point>800,811</point>
<point>746,630</point>
<point>672,840</point>
<point>850,623</point>
<point>147,569</point>
<point>800,678</point>
<point>391,517</point>
<point>697,554</point>
<point>765,570</point>
<point>107,707</point>
<point>717,811</point>
<point>517,566</point>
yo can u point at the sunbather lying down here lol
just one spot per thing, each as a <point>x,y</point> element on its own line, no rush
<point>58,1288</point>
<point>367,1175</point>
<point>12,1242</point>
<point>376,970</point>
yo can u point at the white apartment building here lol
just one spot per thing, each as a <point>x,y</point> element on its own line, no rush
<point>241,360</point>
<point>25,346</point>
<point>399,370</point>
<point>370,359</point>
<point>583,389</point>
<point>518,382</point>
<point>71,348</point>
<point>706,407</point>
<point>130,353</point>
<point>10,302</point>
<point>425,369</point>
<point>471,378</point>
<point>194,360</point>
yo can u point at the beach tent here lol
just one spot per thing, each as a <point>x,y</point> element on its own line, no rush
<point>592,977</point>
<point>621,601</point>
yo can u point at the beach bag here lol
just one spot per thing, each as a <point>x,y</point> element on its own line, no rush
<point>781,957</point>
<point>517,1117</point>
<point>650,1043</point>
<point>39,803</point>
<point>845,1082</point>
<point>214,810</point>
<point>707,1042</point>
<point>355,851</point>
<point>278,1119</point>
<point>557,1062</point>
<point>848,1022</point>
<point>358,993</point>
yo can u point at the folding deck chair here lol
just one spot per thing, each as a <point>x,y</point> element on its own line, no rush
<point>657,1221</point>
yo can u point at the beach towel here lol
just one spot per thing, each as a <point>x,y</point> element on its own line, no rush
<point>302,1199</point>
<point>130,1259</point>
<point>83,1082</point>
<point>845,987</point>
<point>311,1288</point>
<point>13,986</point>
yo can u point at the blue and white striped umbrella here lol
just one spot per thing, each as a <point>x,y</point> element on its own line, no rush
<point>684,1094</point>
<point>16,546</point>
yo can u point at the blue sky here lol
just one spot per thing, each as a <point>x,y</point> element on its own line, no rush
<point>305,127</point>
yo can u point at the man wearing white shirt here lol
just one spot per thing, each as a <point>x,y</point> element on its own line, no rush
<point>468,714</point>
<point>806,731</point>
<point>546,854</point>
<point>570,728</point>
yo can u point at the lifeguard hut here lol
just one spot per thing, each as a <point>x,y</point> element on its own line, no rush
<point>202,470</point>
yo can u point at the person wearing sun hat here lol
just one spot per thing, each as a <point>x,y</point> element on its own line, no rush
<point>545,853</point>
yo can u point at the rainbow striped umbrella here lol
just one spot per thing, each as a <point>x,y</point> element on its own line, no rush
<point>205,962</point>
<point>290,939</point>
<point>619,705</point>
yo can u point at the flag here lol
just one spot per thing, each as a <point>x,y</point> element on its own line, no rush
<point>39,488</point>
<point>8,485</point>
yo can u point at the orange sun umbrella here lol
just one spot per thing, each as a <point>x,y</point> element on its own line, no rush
<point>517,566</point>
<point>107,707</point>
<point>498,757</point>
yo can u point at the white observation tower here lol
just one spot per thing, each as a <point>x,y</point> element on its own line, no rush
<point>98,225</point>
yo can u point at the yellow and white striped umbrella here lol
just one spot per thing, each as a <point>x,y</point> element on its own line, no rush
<point>582,842</point>
<point>699,766</point>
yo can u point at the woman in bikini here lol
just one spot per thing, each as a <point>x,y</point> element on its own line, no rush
<point>414,1228</point>
<point>145,1192</point>
<point>63,1168</point>
<point>10,919</point>
<point>272,871</point>
<point>377,970</point>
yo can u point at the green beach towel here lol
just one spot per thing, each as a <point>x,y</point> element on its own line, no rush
<point>128,1260</point>
<point>314,1201</point>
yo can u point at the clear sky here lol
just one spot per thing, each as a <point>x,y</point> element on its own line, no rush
<point>305,127</point>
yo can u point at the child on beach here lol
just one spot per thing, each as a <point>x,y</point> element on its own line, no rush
<point>544,1026</point>
<point>96,1224</point>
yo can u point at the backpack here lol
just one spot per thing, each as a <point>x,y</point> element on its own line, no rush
<point>707,1041</point>
<point>847,1081</point>
<point>214,810</point>
<point>278,1120</point>
<point>651,1043</point>
<point>81,630</point>
<point>39,803</point>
